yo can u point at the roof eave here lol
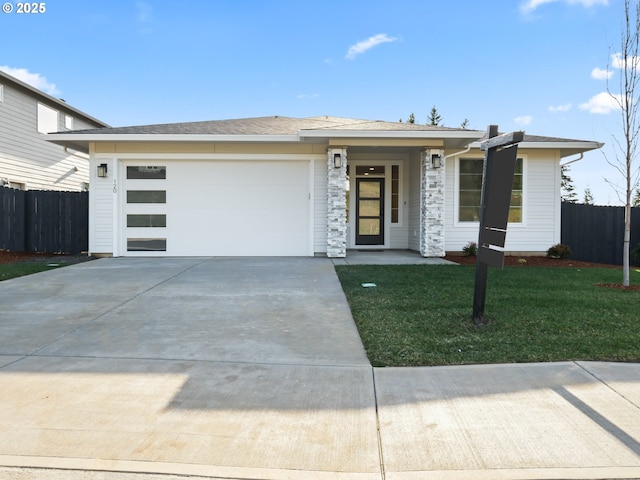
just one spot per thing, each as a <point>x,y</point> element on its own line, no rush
<point>81,141</point>
<point>61,103</point>
<point>396,134</point>
<point>566,148</point>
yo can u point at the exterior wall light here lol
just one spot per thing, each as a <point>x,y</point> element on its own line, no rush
<point>436,160</point>
<point>337,160</point>
<point>102,170</point>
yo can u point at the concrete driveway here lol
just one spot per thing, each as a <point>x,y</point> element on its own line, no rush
<point>226,366</point>
<point>245,368</point>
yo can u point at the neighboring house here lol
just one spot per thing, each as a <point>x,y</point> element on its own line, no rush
<point>27,160</point>
<point>309,186</point>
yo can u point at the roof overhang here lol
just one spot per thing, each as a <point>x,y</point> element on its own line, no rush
<point>452,139</point>
<point>80,141</point>
<point>567,148</point>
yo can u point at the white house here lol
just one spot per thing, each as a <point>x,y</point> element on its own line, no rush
<point>27,160</point>
<point>306,186</point>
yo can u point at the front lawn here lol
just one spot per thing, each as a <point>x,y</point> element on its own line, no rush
<point>13,270</point>
<point>421,315</point>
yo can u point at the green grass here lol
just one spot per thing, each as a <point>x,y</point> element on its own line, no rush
<point>13,270</point>
<point>421,315</point>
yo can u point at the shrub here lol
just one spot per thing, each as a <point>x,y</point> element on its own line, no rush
<point>470,249</point>
<point>635,253</point>
<point>559,251</point>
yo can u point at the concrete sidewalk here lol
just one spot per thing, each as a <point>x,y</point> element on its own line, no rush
<point>130,369</point>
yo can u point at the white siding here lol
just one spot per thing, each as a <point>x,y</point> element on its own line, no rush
<point>412,175</point>
<point>541,226</point>
<point>26,157</point>
<point>320,206</point>
<point>399,233</point>
<point>101,208</point>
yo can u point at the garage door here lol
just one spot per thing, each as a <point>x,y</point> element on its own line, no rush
<point>217,208</point>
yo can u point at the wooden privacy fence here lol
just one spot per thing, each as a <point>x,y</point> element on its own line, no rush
<point>44,221</point>
<point>596,233</point>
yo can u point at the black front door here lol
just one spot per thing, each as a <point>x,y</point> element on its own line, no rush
<point>370,211</point>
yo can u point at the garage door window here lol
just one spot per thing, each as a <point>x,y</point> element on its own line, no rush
<point>146,196</point>
<point>146,244</point>
<point>146,220</point>
<point>151,173</point>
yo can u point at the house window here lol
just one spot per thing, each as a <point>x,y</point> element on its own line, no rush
<point>47,119</point>
<point>68,122</point>
<point>470,191</point>
<point>395,193</point>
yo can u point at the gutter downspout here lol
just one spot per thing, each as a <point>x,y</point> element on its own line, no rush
<point>574,160</point>
<point>457,153</point>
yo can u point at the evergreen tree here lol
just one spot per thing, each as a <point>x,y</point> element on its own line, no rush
<point>636,199</point>
<point>434,117</point>
<point>412,118</point>
<point>568,191</point>
<point>588,197</point>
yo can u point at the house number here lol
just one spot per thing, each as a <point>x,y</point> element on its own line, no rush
<point>115,189</point>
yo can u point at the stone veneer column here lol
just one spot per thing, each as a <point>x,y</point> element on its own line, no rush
<point>337,205</point>
<point>432,205</point>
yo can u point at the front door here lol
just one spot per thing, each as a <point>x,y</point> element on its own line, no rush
<point>370,211</point>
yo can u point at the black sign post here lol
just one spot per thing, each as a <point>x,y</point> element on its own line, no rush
<point>497,182</point>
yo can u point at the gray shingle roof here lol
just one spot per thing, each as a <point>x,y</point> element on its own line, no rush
<point>276,125</point>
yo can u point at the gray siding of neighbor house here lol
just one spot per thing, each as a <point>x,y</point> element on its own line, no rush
<point>26,159</point>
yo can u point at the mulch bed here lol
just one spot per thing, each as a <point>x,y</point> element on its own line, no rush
<point>539,261</point>
<point>19,257</point>
<point>534,261</point>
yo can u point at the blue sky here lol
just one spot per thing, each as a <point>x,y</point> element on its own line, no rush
<point>535,65</point>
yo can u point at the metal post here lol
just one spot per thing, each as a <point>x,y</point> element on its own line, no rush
<point>480,291</point>
<point>497,182</point>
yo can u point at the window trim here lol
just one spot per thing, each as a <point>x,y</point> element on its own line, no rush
<point>1,93</point>
<point>387,162</point>
<point>456,194</point>
<point>41,127</point>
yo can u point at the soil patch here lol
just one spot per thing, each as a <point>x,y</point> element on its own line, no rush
<point>534,261</point>
<point>19,257</point>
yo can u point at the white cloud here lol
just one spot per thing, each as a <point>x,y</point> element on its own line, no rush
<point>34,79</point>
<point>603,103</point>
<point>367,44</point>
<point>304,96</point>
<point>560,108</point>
<point>600,74</point>
<point>618,62</point>
<point>529,6</point>
<point>144,12</point>
<point>523,120</point>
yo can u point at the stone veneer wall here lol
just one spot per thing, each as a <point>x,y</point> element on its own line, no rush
<point>432,206</point>
<point>337,206</point>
